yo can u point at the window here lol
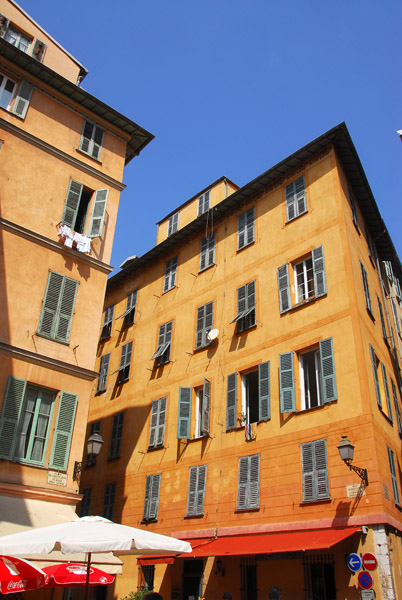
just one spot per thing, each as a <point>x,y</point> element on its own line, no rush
<point>394,478</point>
<point>21,41</point>
<point>170,274</point>
<point>7,92</point>
<point>162,353</point>
<point>86,502</point>
<point>107,323</point>
<point>109,500</point>
<point>245,229</point>
<point>207,254</point>
<point>17,39</point>
<point>381,391</point>
<point>245,317</point>
<point>397,409</point>
<point>129,313</point>
<point>256,397</point>
<point>309,280</point>
<point>27,424</point>
<point>383,326</point>
<point>317,377</point>
<point>146,576</point>
<point>76,208</point>
<point>319,576</point>
<point>151,502</point>
<point>296,201</point>
<point>205,318</point>
<point>158,420</point>
<point>173,224</point>
<point>396,318</point>
<point>248,578</point>
<point>353,209</point>
<point>117,435</point>
<point>366,289</point>
<point>315,470</point>
<point>91,139</point>
<point>103,373</point>
<point>58,307</point>
<point>7,89</point>
<point>125,360</point>
<point>202,400</point>
<point>248,490</point>
<point>196,490</point>
<point>203,202</point>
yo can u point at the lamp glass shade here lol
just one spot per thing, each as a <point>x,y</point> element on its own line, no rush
<point>346,449</point>
<point>95,442</point>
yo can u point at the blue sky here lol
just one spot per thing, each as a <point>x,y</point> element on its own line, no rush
<point>232,87</point>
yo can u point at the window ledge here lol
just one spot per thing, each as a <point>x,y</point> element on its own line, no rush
<point>203,347</point>
<point>110,458</point>
<point>146,521</point>
<point>241,510</point>
<point>88,156</point>
<point>246,329</point>
<point>169,290</point>
<point>370,314</point>
<point>296,217</point>
<point>153,448</point>
<point>390,421</point>
<point>315,501</point>
<point>245,246</point>
<point>200,516</point>
<point>46,337</point>
<point>303,303</point>
<point>206,268</point>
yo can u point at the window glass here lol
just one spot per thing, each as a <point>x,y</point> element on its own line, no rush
<point>7,89</point>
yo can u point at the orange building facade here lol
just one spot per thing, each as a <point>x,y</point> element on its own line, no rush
<point>62,155</point>
<point>233,357</point>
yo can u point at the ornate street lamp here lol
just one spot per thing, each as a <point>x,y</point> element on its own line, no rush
<point>346,451</point>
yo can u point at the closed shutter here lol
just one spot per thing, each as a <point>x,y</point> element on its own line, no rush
<point>12,405</point>
<point>375,373</point>
<point>320,454</point>
<point>231,401</point>
<point>154,497</point>
<point>328,370</point>
<point>170,274</point>
<point>397,409</point>
<point>196,490</point>
<point>353,208</point>
<point>66,308</point>
<point>184,414</point>
<point>286,382</point>
<point>314,470</point>
<point>284,288</point>
<point>103,372</point>
<point>264,391</point>
<point>320,282</point>
<point>39,50</point>
<point>386,388</point>
<point>248,491</point>
<point>206,407</point>
<point>64,431</point>
<point>72,203</point>
<point>394,478</point>
<point>202,477</point>
<point>366,288</point>
<point>22,99</point>
<point>383,326</point>
<point>117,435</point>
<point>295,193</point>
<point>58,307</point>
<point>98,213</point>
<point>160,434</point>
<point>308,471</point>
<point>245,228</point>
<point>125,360</point>
<point>207,254</point>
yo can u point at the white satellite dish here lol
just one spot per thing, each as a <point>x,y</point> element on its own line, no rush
<point>212,335</point>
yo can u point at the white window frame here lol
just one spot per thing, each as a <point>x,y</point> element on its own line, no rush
<point>306,281</point>
<point>204,202</point>
<point>170,274</point>
<point>18,39</point>
<point>90,143</point>
<point>296,199</point>
<point>305,400</point>
<point>2,89</point>
<point>173,224</point>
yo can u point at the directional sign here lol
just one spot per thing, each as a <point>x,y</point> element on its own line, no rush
<point>369,561</point>
<point>365,580</point>
<point>354,562</point>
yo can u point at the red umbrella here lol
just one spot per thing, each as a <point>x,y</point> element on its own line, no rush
<point>19,575</point>
<point>70,575</point>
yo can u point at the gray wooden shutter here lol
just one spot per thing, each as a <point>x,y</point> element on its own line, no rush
<point>22,99</point>
<point>170,274</point>
<point>39,50</point>
<point>314,470</point>
<point>184,413</point>
<point>66,309</point>
<point>241,300</point>
<point>328,370</point>
<point>160,434</point>
<point>154,496</point>
<point>64,431</point>
<point>231,401</point>
<point>286,382</point>
<point>384,329</point>
<point>307,471</point>
<point>98,213</point>
<point>394,478</point>
<point>249,482</point>
<point>202,477</point>
<point>397,409</point>
<point>241,231</point>
<point>148,485</point>
<point>353,208</point>
<point>375,373</point>
<point>154,424</point>
<point>386,388</point>
<point>320,455</point>
<point>320,282</point>
<point>264,391</point>
<point>103,372</point>
<point>86,136</point>
<point>72,203</point>
<point>284,288</point>
<point>254,489</point>
<point>11,410</point>
<point>295,193</point>
<point>206,407</point>
<point>196,490</point>
<point>4,23</point>
<point>366,288</point>
<point>250,226</point>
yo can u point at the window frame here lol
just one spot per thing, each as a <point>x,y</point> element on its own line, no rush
<point>382,392</point>
<point>86,502</point>
<point>20,36</point>
<point>202,421</point>
<point>3,84</point>
<point>204,202</point>
<point>366,289</point>
<point>129,314</point>
<point>246,317</point>
<point>207,252</point>
<point>75,213</point>
<point>125,363</point>
<point>296,199</point>
<point>161,356</point>
<point>264,395</point>
<point>169,281</point>
<point>246,228</point>
<point>319,276</point>
<point>107,323</point>
<point>204,324</point>
<point>89,144</point>
<point>173,224</point>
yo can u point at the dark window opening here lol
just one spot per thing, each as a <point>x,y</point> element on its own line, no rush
<point>248,579</point>
<point>251,399</point>
<point>82,210</point>
<point>319,577</point>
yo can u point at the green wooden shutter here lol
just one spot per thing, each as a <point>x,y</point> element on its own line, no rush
<point>397,409</point>
<point>231,401</point>
<point>184,414</point>
<point>22,99</point>
<point>65,311</point>
<point>72,203</point>
<point>375,373</point>
<point>63,432</point>
<point>50,304</point>
<point>284,288</point>
<point>320,282</point>
<point>286,382</point>
<point>206,407</point>
<point>264,391</point>
<point>386,388</point>
<point>11,411</point>
<point>98,213</point>
<point>328,370</point>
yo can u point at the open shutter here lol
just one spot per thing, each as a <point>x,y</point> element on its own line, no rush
<point>308,471</point>
<point>50,307</point>
<point>250,297</point>
<point>286,382</point>
<point>242,485</point>
<point>199,336</point>
<point>98,213</point>
<point>384,329</point>
<point>66,309</point>
<point>12,405</point>
<point>375,373</point>
<point>103,373</point>
<point>148,485</point>
<point>264,391</point>
<point>394,478</point>
<point>206,407</point>
<point>397,409</point>
<point>4,23</point>
<point>22,99</point>
<point>72,203</point>
<point>39,50</point>
<point>160,434</point>
<point>320,456</point>
<point>320,282</point>
<point>386,388</point>
<point>184,415</point>
<point>64,431</point>
<point>284,288</point>
<point>366,288</point>
<point>300,196</point>
<point>328,370</point>
<point>154,497</point>
<point>231,400</point>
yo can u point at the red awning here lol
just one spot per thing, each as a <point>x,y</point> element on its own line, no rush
<point>157,559</point>
<point>270,543</point>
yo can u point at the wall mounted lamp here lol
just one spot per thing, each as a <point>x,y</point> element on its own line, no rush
<point>94,445</point>
<point>346,451</point>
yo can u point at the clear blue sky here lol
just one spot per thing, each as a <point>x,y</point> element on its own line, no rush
<point>231,87</point>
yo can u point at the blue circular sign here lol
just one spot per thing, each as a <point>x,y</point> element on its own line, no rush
<point>365,580</point>
<point>354,562</point>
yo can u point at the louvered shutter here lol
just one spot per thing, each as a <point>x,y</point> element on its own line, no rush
<point>254,487</point>
<point>241,231</point>
<point>264,391</point>
<point>202,477</point>
<point>320,455</point>
<point>86,136</point>
<point>184,413</point>
<point>58,305</point>
<point>192,491</point>
<point>103,372</point>
<point>207,254</point>
<point>72,203</point>
<point>154,424</point>
<point>248,491</point>
<point>384,329</point>
<point>290,202</point>
<point>203,253</point>
<point>286,382</point>
<point>249,226</point>
<point>231,401</point>
<point>394,478</point>
<point>12,406</point>
<point>328,370</point>
<point>284,288</point>
<point>366,288</point>
<point>397,409</point>
<point>4,23</point>
<point>160,434</point>
<point>154,497</point>
<point>308,471</point>
<point>39,50</point>
<point>300,195</point>
<point>241,301</point>
<point>206,407</point>
<point>64,431</point>
<point>250,297</point>
<point>320,282</point>
<point>386,388</point>
<point>98,213</point>
<point>209,319</point>
<point>125,360</point>
<point>199,336</point>
<point>22,99</point>
<point>353,208</point>
<point>170,274</point>
<point>66,309</point>
<point>148,485</point>
<point>242,485</point>
<point>375,373</point>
